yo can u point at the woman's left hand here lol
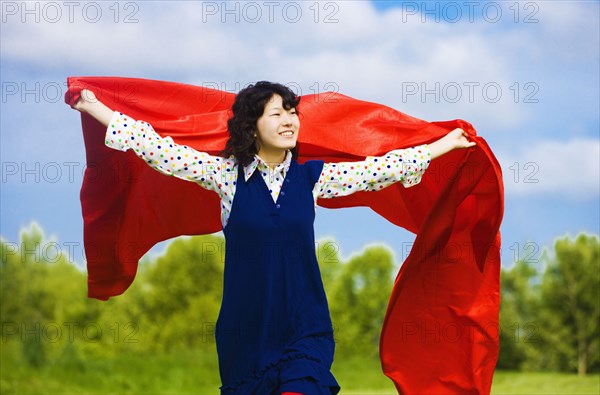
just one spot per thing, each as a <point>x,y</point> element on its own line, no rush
<point>458,138</point>
<point>455,139</point>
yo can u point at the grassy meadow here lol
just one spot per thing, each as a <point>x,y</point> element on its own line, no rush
<point>189,372</point>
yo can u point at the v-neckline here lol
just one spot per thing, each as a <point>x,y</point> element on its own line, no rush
<point>266,187</point>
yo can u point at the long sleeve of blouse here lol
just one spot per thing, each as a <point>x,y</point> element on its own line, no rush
<point>219,174</point>
<point>164,155</point>
<point>374,173</point>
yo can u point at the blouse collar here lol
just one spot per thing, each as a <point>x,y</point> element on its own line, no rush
<point>259,163</point>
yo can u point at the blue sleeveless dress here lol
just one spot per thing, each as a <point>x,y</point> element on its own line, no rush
<point>274,332</point>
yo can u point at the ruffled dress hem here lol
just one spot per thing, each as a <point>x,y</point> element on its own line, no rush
<point>293,373</point>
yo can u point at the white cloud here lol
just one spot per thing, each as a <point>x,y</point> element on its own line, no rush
<point>568,169</point>
<point>372,55</point>
<point>375,56</point>
<point>572,28</point>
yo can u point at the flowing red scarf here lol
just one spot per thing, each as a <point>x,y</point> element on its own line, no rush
<point>440,333</point>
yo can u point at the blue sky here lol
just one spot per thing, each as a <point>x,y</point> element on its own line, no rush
<point>525,74</point>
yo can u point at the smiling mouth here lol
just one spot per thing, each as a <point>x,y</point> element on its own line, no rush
<point>287,133</point>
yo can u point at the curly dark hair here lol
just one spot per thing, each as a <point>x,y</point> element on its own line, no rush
<point>249,105</point>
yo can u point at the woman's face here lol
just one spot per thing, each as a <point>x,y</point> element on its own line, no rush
<point>274,128</point>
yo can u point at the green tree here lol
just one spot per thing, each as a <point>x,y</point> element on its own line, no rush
<point>41,294</point>
<point>330,263</point>
<point>181,294</point>
<point>570,297</point>
<point>360,297</point>
<point>519,320</point>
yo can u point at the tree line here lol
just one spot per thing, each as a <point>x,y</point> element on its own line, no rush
<point>549,319</point>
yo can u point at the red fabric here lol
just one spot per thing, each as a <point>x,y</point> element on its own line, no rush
<point>440,332</point>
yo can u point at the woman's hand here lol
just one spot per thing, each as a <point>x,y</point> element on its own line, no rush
<point>458,139</point>
<point>89,104</point>
<point>86,98</point>
<point>453,140</point>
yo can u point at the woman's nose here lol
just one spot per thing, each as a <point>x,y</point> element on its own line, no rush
<point>287,119</point>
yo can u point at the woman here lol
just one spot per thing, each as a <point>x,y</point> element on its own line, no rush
<point>274,333</point>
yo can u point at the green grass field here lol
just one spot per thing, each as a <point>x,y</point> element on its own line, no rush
<point>190,372</point>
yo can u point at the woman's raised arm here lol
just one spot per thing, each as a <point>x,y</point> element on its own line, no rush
<point>375,173</point>
<point>161,153</point>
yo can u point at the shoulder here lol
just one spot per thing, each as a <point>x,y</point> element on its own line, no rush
<point>313,168</point>
<point>311,164</point>
<point>230,162</point>
<point>222,171</point>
